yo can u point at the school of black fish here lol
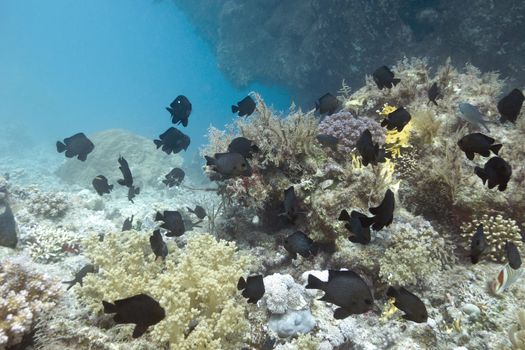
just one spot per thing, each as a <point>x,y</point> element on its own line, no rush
<point>346,289</point>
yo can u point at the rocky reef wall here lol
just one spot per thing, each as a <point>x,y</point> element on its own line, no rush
<point>310,46</point>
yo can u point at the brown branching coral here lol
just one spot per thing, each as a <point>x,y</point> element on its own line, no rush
<point>285,142</point>
<point>497,230</point>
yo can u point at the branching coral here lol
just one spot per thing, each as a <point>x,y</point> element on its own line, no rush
<point>497,230</point>
<point>50,243</point>
<point>196,286</point>
<point>24,295</point>
<point>414,254</point>
<point>347,128</point>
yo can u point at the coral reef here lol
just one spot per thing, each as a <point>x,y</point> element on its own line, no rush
<point>347,128</point>
<point>497,230</point>
<point>24,296</point>
<point>196,286</point>
<point>145,161</point>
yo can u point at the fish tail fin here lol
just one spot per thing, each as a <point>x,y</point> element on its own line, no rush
<point>241,284</point>
<point>69,283</point>
<point>139,330</point>
<point>495,148</point>
<point>391,292</point>
<point>209,160</point>
<point>157,143</point>
<point>109,308</point>
<point>315,283</point>
<point>159,217</point>
<point>235,109</point>
<point>481,174</point>
<point>344,216</point>
<point>61,147</point>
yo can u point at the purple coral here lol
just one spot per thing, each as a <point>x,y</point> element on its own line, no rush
<point>347,128</point>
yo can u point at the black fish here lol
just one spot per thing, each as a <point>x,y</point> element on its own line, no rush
<point>100,183</point>
<point>345,289</point>
<point>291,204</point>
<point>478,143</point>
<point>243,146</point>
<point>173,141</point>
<point>356,224</point>
<point>126,173</point>
<point>409,303</point>
<point>384,78</point>
<point>174,177</point>
<point>328,141</point>
<point>513,255</point>
<point>383,214</point>
<point>434,93</point>
<point>141,309</point>
<point>79,276</point>
<point>132,192</point>
<point>172,222</point>
<point>497,171</point>
<point>370,152</point>
<point>198,211</point>
<point>229,165</point>
<point>253,288</point>
<point>77,145</point>
<point>300,243</point>
<point>397,119</point>
<point>128,179</point>
<point>245,107</point>
<point>158,246</point>
<point>478,244</point>
<point>327,104</point>
<point>509,106</point>
<point>180,110</point>
<point>128,224</point>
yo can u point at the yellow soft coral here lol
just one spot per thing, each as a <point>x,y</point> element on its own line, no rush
<point>395,140</point>
<point>195,285</point>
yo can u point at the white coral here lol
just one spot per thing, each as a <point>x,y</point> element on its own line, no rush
<point>24,295</point>
<point>282,294</point>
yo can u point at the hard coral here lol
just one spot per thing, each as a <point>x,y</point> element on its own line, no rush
<point>347,128</point>
<point>415,253</point>
<point>46,204</point>
<point>196,286</point>
<point>497,230</point>
<point>24,295</point>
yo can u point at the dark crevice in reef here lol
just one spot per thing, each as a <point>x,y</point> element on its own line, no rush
<point>310,46</point>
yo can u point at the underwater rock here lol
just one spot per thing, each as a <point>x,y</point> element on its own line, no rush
<point>306,50</point>
<point>145,161</point>
<point>8,232</point>
<point>292,323</point>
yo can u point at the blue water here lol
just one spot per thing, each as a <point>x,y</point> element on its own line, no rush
<point>69,66</point>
